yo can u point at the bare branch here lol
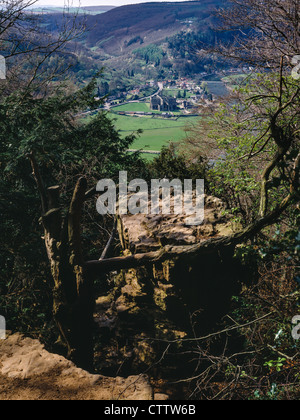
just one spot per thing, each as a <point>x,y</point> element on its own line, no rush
<point>193,251</point>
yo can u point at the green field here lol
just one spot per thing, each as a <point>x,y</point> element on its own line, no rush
<point>134,107</point>
<point>157,132</point>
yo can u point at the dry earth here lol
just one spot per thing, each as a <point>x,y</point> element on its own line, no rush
<point>29,372</point>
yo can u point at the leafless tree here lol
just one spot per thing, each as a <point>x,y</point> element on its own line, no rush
<point>27,47</point>
<point>266,31</point>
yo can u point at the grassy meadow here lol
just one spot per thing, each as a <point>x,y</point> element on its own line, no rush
<point>133,107</point>
<point>157,132</point>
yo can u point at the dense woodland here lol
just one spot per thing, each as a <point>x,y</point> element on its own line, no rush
<point>51,160</point>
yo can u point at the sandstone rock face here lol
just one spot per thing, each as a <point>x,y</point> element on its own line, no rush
<point>29,372</point>
<point>144,233</point>
<point>168,301</point>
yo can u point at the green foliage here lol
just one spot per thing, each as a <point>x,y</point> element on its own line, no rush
<point>65,148</point>
<point>183,44</point>
<point>242,141</point>
<point>151,53</point>
<point>242,144</point>
<point>183,48</point>
<point>171,165</point>
<point>275,364</point>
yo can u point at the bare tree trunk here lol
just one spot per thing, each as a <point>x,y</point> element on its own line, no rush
<point>73,300</point>
<point>73,297</point>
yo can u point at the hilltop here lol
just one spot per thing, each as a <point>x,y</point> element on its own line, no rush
<point>89,10</point>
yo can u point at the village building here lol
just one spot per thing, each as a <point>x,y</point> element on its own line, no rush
<point>163,103</point>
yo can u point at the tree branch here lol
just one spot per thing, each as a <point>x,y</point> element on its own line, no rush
<point>193,251</point>
<point>110,241</point>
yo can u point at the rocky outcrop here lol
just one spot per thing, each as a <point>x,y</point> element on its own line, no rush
<point>29,372</point>
<point>169,301</point>
<point>144,233</point>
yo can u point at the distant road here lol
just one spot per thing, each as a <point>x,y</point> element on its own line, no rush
<point>150,152</point>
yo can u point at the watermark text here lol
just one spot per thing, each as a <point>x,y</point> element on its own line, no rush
<point>161,197</point>
<point>2,328</point>
<point>2,68</point>
<point>296,69</point>
<point>296,329</point>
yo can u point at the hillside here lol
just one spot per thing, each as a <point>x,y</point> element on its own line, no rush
<point>147,22</point>
<point>154,38</point>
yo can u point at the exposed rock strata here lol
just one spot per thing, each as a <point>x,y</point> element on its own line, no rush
<point>170,300</point>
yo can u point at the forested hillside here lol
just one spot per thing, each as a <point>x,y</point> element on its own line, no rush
<point>146,19</point>
<point>176,29</point>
